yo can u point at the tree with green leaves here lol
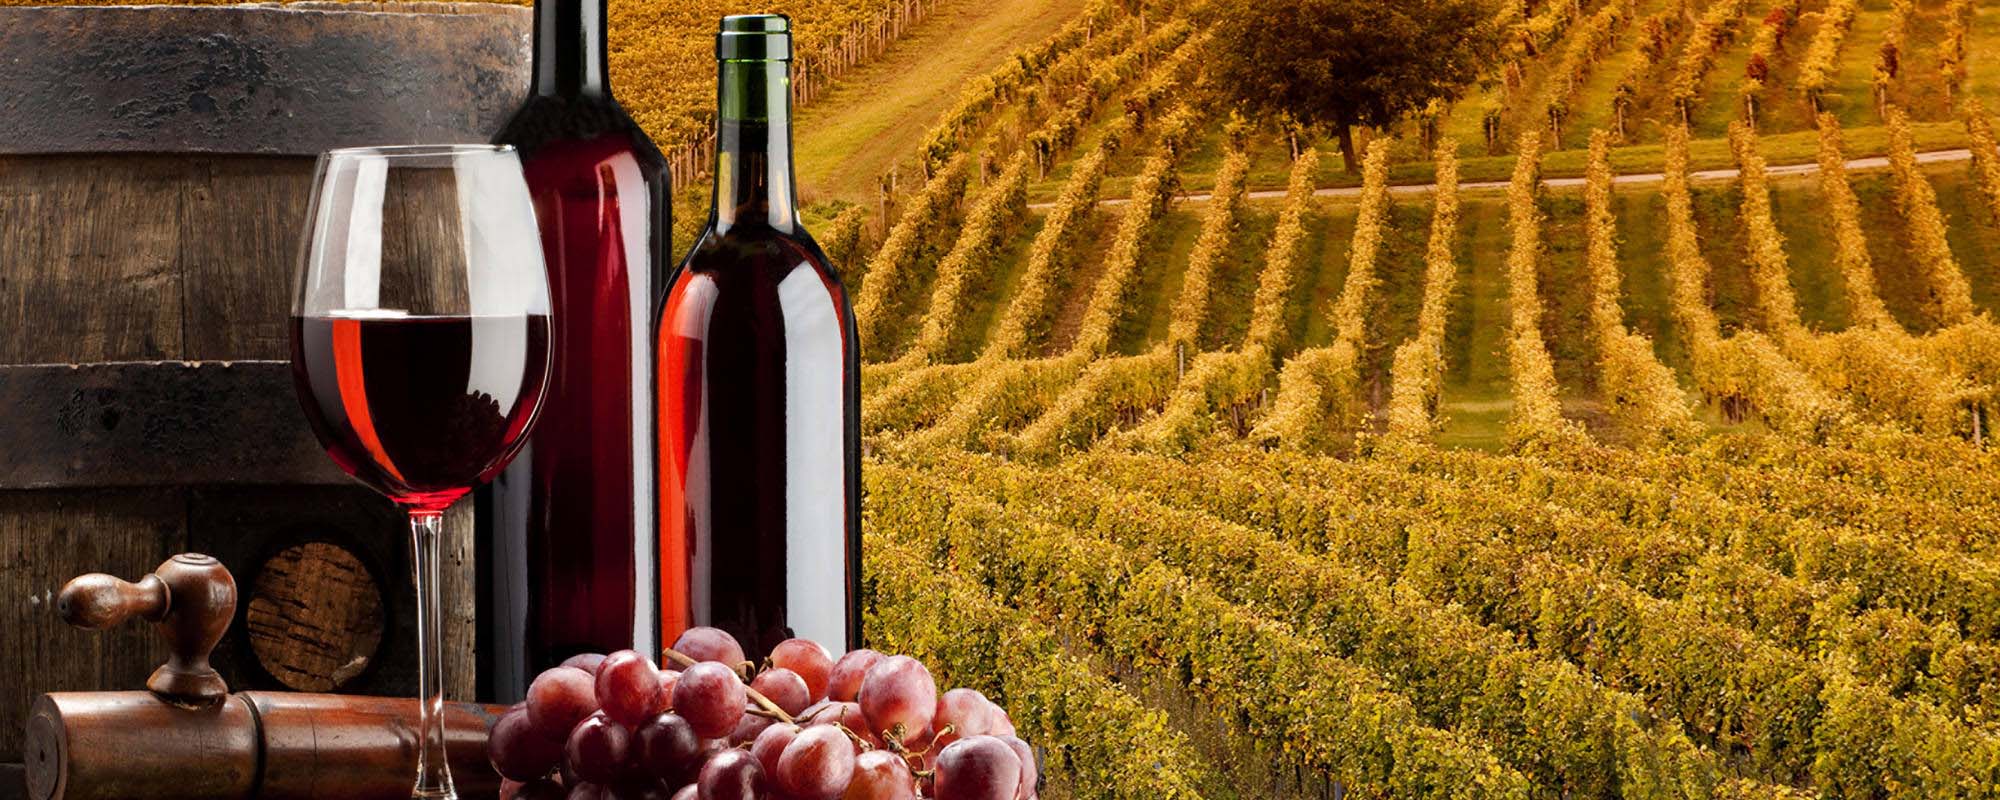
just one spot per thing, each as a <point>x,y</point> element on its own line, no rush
<point>1325,66</point>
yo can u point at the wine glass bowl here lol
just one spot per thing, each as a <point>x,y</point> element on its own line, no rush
<point>420,346</point>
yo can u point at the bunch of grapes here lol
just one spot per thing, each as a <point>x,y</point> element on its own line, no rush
<point>805,727</point>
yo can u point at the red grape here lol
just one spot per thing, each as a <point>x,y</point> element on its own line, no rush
<point>710,644</point>
<point>848,715</point>
<point>518,749</point>
<point>978,768</point>
<point>731,775</point>
<point>668,677</point>
<point>1003,725</point>
<point>710,697</point>
<point>688,792</point>
<point>807,658</point>
<point>784,688</point>
<point>747,730</point>
<point>668,747</point>
<point>844,683</point>
<point>541,790</point>
<point>817,765</point>
<point>599,749</point>
<point>898,692</point>
<point>628,688</point>
<point>588,662</point>
<point>588,791</point>
<point>967,711</point>
<point>1030,775</point>
<point>560,698</point>
<point>771,743</point>
<point>881,775</point>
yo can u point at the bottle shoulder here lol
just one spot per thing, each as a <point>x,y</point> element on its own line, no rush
<point>547,121</point>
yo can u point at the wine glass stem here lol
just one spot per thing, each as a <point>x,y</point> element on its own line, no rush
<point>433,770</point>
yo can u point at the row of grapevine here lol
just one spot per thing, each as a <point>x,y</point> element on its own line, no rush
<point>887,281</point>
<point>1985,154</point>
<point>1230,381</point>
<point>1581,738</point>
<point>1850,245</point>
<point>1532,378</point>
<point>1788,713</point>
<point>1317,388</point>
<point>1657,35</point>
<point>1889,57</point>
<point>1765,46</point>
<point>1337,720</point>
<point>966,269</point>
<point>1109,745</point>
<point>1950,297</point>
<point>1745,373</point>
<point>844,243</point>
<point>1025,322</point>
<point>992,91</point>
<point>1822,60</point>
<point>1958,16</point>
<point>1642,393</point>
<point>1711,32</point>
<point>1124,262</point>
<point>1218,229</point>
<point>1877,369</point>
<point>1416,375</point>
<point>1589,44</point>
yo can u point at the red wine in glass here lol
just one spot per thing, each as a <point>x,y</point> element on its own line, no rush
<point>422,409</point>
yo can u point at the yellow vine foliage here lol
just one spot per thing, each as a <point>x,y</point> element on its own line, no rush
<point>1879,370</point>
<point>1951,51</point>
<point>1641,392</point>
<point>1711,32</point>
<point>1110,391</point>
<point>844,242</point>
<point>1218,229</point>
<point>1950,296</point>
<point>1850,245</point>
<point>1745,371</point>
<point>1057,55</point>
<point>1417,371</point>
<point>1152,194</point>
<point>1822,59</point>
<point>1985,153</point>
<point>1770,269</point>
<point>1537,407</point>
<point>1651,52</point>
<point>995,215</point>
<point>1316,388</point>
<point>1274,284</point>
<point>1586,46</point>
<point>888,280</point>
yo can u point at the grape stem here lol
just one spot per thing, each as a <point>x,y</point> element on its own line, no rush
<point>764,704</point>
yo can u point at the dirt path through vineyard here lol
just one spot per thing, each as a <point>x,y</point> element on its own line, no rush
<point>877,114</point>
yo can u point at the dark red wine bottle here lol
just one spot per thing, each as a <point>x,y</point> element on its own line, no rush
<point>568,539</point>
<point>759,452</point>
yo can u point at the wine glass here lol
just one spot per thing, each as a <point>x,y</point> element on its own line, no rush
<point>420,347</point>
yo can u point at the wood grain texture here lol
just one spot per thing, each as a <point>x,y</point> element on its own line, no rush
<point>291,79</point>
<point>43,537</point>
<point>314,617</point>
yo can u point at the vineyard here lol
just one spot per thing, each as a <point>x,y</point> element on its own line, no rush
<point>1619,430</point>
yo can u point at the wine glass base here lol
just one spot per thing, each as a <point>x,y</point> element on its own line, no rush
<point>444,794</point>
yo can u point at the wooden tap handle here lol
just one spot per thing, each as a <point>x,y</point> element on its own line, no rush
<point>98,601</point>
<point>191,597</point>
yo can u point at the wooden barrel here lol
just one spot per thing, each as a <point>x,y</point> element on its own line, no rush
<point>155,164</point>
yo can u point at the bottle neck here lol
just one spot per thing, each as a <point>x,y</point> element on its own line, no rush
<point>569,49</point>
<point>753,146</point>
